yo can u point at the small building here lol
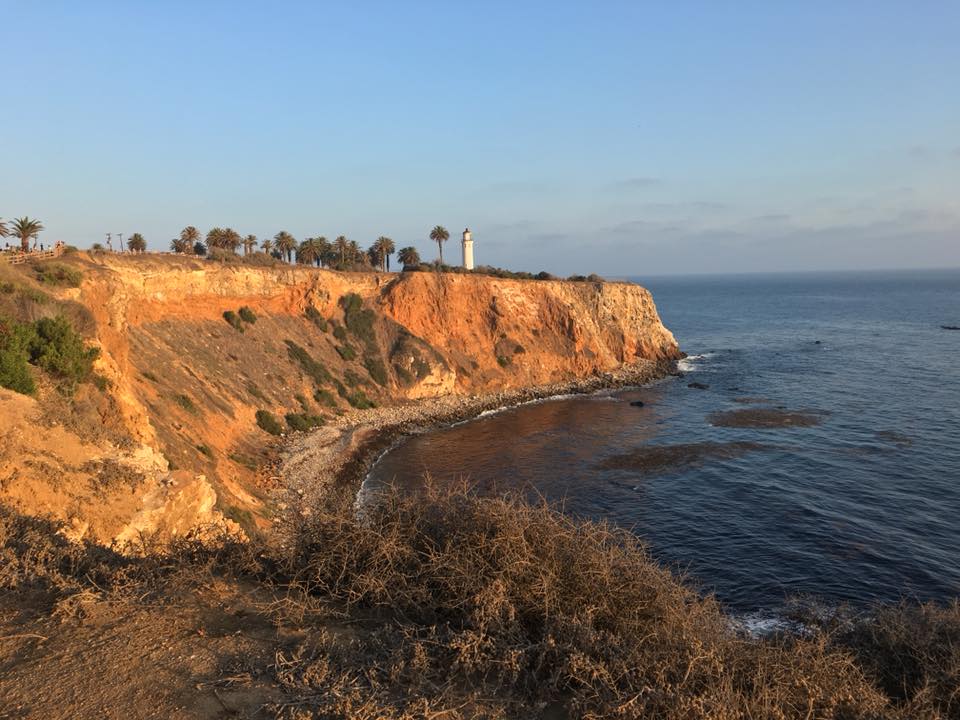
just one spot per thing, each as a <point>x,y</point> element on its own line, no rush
<point>467,249</point>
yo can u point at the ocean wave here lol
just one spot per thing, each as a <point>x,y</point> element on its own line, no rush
<point>764,624</point>
<point>692,362</point>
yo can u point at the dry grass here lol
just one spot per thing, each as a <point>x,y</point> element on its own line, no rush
<point>454,606</point>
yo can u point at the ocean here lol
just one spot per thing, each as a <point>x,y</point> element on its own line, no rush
<point>817,454</point>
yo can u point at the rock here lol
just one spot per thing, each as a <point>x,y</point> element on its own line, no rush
<point>817,342</point>
<point>637,403</point>
<point>950,327</point>
<point>698,386</point>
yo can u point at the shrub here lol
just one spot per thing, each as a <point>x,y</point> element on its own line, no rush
<point>58,349</point>
<point>303,401</point>
<point>150,376</point>
<point>255,391</point>
<point>7,288</point>
<point>205,450</point>
<point>358,320</point>
<point>15,356</point>
<point>340,333</point>
<point>55,274</point>
<point>504,361</point>
<point>376,369</point>
<point>268,423</point>
<point>186,403</point>
<point>247,315</point>
<point>352,379</point>
<point>325,397</point>
<point>301,422</point>
<point>544,275</point>
<point>519,349</point>
<point>233,320</point>
<point>346,352</point>
<point>317,371</point>
<point>314,316</point>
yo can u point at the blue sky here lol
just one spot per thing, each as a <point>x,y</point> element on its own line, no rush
<point>622,138</point>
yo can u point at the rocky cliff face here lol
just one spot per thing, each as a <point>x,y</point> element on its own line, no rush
<point>187,384</point>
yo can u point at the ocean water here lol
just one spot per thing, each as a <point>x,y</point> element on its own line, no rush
<point>857,500</point>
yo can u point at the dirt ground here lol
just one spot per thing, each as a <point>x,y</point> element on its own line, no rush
<point>205,655</point>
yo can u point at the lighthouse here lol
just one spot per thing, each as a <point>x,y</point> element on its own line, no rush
<point>467,250</point>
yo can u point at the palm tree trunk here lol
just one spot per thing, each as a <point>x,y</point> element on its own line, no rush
<point>25,244</point>
<point>440,246</point>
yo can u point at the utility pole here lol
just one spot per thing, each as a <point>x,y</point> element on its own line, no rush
<point>109,242</point>
<point>120,235</point>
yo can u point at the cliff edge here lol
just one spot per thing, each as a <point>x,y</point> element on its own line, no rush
<point>200,362</point>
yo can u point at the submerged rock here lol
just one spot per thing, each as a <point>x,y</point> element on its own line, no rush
<point>698,386</point>
<point>765,418</point>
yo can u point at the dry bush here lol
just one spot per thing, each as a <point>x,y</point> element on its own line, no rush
<point>912,653</point>
<point>497,598</point>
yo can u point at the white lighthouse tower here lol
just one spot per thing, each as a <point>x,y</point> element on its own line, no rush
<point>467,249</point>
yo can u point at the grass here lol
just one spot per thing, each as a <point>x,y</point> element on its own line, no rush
<point>460,607</point>
<point>56,274</point>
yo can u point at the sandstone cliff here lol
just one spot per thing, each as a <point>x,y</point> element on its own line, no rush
<point>184,385</point>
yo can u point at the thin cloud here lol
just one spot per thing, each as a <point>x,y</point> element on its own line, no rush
<point>637,183</point>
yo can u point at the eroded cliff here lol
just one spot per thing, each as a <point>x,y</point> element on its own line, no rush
<point>185,385</point>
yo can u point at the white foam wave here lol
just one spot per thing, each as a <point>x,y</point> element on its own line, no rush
<point>692,362</point>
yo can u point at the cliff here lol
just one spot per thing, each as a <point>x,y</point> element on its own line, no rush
<point>176,419</point>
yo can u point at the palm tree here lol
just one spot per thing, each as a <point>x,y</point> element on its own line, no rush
<point>408,256</point>
<point>231,240</point>
<point>215,237</point>
<point>3,228</point>
<point>267,245</point>
<point>136,243</point>
<point>324,251</point>
<point>375,253</point>
<point>26,229</point>
<point>387,249</point>
<point>309,252</point>
<point>440,235</point>
<point>341,245</point>
<point>249,244</point>
<point>354,253</point>
<point>189,237</point>
<point>285,243</point>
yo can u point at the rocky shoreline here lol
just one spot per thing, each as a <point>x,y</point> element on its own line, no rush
<point>340,454</point>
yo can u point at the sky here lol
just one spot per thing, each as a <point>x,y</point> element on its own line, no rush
<point>624,138</point>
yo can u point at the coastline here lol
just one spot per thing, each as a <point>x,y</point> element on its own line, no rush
<point>339,455</point>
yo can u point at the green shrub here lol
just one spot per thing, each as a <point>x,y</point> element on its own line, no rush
<point>352,379</point>
<point>255,391</point>
<point>314,316</point>
<point>340,333</point>
<point>519,350</point>
<point>186,403</point>
<point>376,369</point>
<point>55,274</point>
<point>268,423</point>
<point>358,320</point>
<point>58,349</point>
<point>317,371</point>
<point>303,402</point>
<point>325,397</point>
<point>346,352</point>
<point>247,315</point>
<point>301,422</point>
<point>504,361</point>
<point>7,288</point>
<point>233,320</point>
<point>15,356</point>
<point>205,450</point>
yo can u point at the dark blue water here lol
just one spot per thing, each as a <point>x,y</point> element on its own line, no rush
<point>862,507</point>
